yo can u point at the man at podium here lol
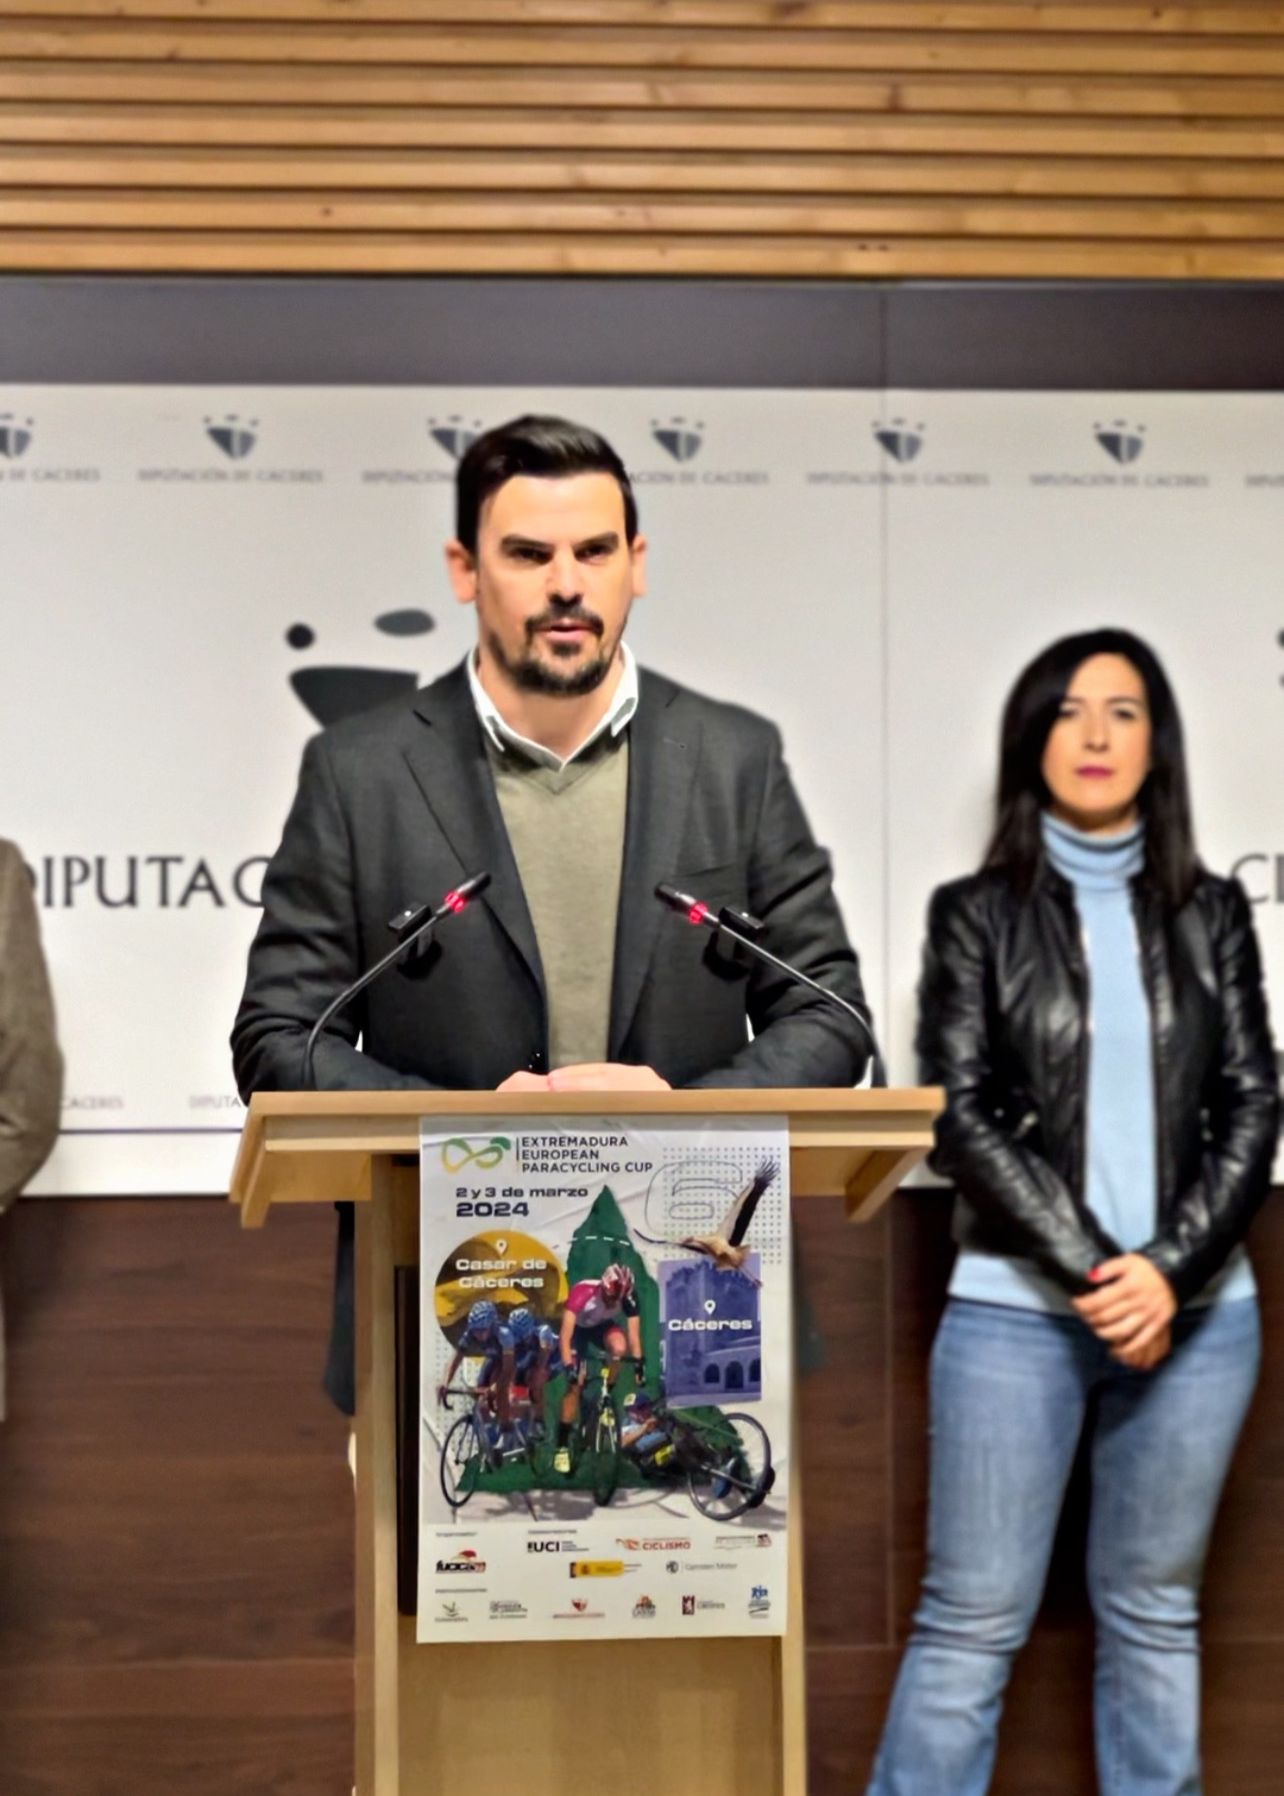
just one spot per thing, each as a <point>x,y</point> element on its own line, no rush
<point>578,781</point>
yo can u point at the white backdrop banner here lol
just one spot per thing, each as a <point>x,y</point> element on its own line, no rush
<point>1036,514</point>
<point>196,578</point>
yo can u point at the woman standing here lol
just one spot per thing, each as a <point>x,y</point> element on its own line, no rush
<point>1092,1003</point>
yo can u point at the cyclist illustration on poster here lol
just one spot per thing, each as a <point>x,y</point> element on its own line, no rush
<point>605,1379</point>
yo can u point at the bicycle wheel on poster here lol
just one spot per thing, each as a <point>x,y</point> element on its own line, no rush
<point>462,1462</point>
<point>731,1469</point>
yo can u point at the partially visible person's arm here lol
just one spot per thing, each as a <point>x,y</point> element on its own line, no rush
<point>1212,1215</point>
<point>30,1061</point>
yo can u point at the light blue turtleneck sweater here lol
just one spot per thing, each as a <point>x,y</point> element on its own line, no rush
<point>1121,1178</point>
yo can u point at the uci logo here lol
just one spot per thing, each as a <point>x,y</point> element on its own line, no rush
<point>463,1150</point>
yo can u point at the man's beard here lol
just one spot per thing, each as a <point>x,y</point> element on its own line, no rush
<point>530,673</point>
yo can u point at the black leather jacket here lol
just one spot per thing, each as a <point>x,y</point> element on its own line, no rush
<point>1003,1026</point>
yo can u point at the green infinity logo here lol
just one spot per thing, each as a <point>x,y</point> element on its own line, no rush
<point>461,1151</point>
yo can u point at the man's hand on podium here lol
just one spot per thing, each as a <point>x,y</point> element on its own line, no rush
<point>524,1081</point>
<point>606,1075</point>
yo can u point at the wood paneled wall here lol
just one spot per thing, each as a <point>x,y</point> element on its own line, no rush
<point>827,138</point>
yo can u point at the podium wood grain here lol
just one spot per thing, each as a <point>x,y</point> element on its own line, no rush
<point>426,1710</point>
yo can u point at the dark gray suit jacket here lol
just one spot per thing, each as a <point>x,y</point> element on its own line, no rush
<point>397,805</point>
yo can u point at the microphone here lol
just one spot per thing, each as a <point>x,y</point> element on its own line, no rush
<point>744,931</point>
<point>408,927</point>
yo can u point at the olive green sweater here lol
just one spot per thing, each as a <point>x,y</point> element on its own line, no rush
<point>566,827</point>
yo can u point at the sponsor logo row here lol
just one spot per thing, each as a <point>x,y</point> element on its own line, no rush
<point>649,1543</point>
<point>471,1564</point>
<point>453,1610</point>
<point>460,1606</point>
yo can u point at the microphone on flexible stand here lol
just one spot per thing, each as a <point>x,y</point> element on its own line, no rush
<point>743,932</point>
<point>408,927</point>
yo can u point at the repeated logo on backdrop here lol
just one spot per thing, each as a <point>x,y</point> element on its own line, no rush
<point>235,436</point>
<point>684,440</point>
<point>454,434</point>
<point>1124,441</point>
<point>901,441</point>
<point>148,590</point>
<point>20,467</point>
<point>446,437</point>
<point>15,435</point>
<point>1121,441</point>
<point>904,460</point>
<point>681,439</point>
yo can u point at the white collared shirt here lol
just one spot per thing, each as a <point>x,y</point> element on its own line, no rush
<point>624,704</point>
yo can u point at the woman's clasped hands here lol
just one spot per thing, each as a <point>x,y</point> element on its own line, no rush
<point>1131,1308</point>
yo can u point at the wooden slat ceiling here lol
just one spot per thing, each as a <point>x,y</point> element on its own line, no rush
<point>693,137</point>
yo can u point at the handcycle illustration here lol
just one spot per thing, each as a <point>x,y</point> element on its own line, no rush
<point>722,1456</point>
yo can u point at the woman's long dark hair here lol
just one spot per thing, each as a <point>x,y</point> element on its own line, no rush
<point>1164,800</point>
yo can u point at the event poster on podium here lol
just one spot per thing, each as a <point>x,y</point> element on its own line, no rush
<point>605,1379</point>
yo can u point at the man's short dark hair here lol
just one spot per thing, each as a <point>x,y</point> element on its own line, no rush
<point>550,448</point>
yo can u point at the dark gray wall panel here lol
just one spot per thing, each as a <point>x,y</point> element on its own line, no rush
<point>1147,338</point>
<point>439,332</point>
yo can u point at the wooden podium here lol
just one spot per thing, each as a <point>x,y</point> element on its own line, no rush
<point>697,1717</point>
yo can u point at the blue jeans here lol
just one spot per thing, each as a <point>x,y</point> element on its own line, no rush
<point>1010,1393</point>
